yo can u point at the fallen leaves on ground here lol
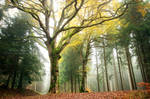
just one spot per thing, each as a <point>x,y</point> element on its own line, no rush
<point>136,94</point>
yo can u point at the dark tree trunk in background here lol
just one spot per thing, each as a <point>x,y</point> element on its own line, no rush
<point>141,65</point>
<point>8,80</point>
<point>20,80</point>
<point>106,73</point>
<point>79,83</point>
<point>115,73</point>
<point>16,59</point>
<point>145,63</point>
<point>83,78</point>
<point>75,84</point>
<point>97,71</point>
<point>120,74</point>
<point>64,86</point>
<point>71,82</point>
<point>14,79</point>
<point>84,72</point>
<point>130,68</point>
<point>103,81</point>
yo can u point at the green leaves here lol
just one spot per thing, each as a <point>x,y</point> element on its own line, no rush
<point>18,54</point>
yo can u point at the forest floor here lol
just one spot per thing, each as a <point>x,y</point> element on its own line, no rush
<point>28,94</point>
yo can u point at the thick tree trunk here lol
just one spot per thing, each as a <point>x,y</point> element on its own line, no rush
<point>120,74</point>
<point>54,76</point>
<point>54,57</point>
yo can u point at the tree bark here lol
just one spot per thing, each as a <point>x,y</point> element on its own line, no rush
<point>20,80</point>
<point>145,61</point>
<point>75,84</point>
<point>14,79</point>
<point>54,57</point>
<point>103,81</point>
<point>83,78</point>
<point>120,74</point>
<point>8,80</point>
<point>65,87</point>
<point>79,83</point>
<point>131,75</point>
<point>115,73</point>
<point>84,63</point>
<point>141,65</point>
<point>71,82</point>
<point>97,71</point>
<point>15,71</point>
<point>106,73</point>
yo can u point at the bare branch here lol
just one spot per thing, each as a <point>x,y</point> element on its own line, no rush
<point>103,4</point>
<point>95,24</point>
<point>71,18</point>
<point>63,14</point>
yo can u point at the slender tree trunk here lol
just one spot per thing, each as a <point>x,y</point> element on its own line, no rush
<point>98,82</point>
<point>84,63</point>
<point>68,87</point>
<point>120,74</point>
<point>14,79</point>
<point>15,71</point>
<point>106,73</point>
<point>65,86</point>
<point>115,73</point>
<point>131,75</point>
<point>145,63</point>
<point>83,78</point>
<point>20,80</point>
<point>75,84</point>
<point>79,83</point>
<point>8,80</point>
<point>103,81</point>
<point>134,81</point>
<point>141,64</point>
<point>71,82</point>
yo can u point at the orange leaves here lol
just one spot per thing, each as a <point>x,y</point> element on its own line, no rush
<point>88,89</point>
<point>143,84</point>
<point>92,95</point>
<point>142,8</point>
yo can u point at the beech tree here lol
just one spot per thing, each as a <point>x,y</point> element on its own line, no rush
<point>73,16</point>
